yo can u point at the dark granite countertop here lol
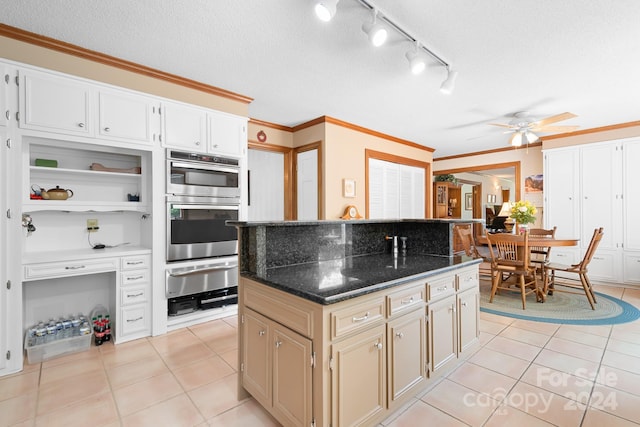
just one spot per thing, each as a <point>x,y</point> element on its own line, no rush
<point>351,221</point>
<point>331,281</point>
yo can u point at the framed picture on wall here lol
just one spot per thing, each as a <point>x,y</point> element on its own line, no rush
<point>348,188</point>
<point>468,201</point>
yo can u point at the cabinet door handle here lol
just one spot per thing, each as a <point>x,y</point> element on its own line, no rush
<point>135,295</point>
<point>441,288</point>
<point>134,262</point>
<point>405,301</point>
<point>378,345</point>
<point>197,142</point>
<point>261,333</point>
<point>74,267</point>
<point>399,334</point>
<point>464,304</point>
<point>107,129</point>
<point>278,344</point>
<point>134,320</point>
<point>135,277</point>
<point>80,125</point>
<point>360,319</point>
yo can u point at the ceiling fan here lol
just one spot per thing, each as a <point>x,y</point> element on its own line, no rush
<point>524,126</point>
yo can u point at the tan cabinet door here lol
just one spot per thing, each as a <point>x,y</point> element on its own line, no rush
<point>406,350</point>
<point>256,370</point>
<point>468,318</point>
<point>442,332</point>
<point>292,390</point>
<point>358,381</point>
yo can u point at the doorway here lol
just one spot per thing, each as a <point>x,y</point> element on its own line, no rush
<point>308,179</point>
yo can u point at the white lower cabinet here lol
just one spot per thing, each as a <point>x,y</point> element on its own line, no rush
<point>370,354</point>
<point>134,298</point>
<point>631,269</point>
<point>276,368</point>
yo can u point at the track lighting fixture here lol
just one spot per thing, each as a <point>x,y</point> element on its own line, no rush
<point>416,63</point>
<point>450,82</point>
<point>376,31</point>
<point>326,9</point>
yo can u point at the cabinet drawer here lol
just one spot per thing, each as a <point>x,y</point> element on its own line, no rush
<point>134,294</point>
<point>468,279</point>
<point>399,302</point>
<point>356,317</point>
<point>134,319</point>
<point>440,288</point>
<point>71,268</point>
<point>135,262</point>
<point>133,277</point>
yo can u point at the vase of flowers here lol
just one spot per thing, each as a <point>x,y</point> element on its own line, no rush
<point>523,212</point>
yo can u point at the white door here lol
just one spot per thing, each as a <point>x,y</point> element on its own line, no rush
<point>307,180</point>
<point>631,199</point>
<point>266,186</point>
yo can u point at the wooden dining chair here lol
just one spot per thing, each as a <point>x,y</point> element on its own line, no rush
<point>510,258</point>
<point>540,255</point>
<point>465,234</point>
<point>569,284</point>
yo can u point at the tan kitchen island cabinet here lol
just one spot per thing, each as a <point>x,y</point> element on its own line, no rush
<point>276,368</point>
<point>453,307</point>
<point>368,354</point>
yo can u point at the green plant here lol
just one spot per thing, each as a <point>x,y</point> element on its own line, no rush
<point>523,212</point>
<point>447,178</point>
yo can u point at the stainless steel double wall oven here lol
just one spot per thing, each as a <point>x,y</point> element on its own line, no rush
<point>203,192</point>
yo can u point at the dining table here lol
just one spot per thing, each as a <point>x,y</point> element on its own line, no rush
<point>550,242</point>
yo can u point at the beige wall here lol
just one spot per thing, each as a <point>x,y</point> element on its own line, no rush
<point>616,132</point>
<point>344,155</point>
<point>275,135</point>
<point>41,57</point>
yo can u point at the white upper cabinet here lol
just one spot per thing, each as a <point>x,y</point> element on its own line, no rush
<point>4,102</point>
<point>51,103</point>
<point>184,127</point>
<point>202,130</point>
<point>228,134</point>
<point>125,116</point>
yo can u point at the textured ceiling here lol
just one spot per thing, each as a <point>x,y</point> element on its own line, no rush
<point>541,56</point>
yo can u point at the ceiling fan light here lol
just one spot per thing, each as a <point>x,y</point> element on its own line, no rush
<point>417,64</point>
<point>450,83</point>
<point>377,32</point>
<point>326,9</point>
<point>516,139</point>
<point>531,137</point>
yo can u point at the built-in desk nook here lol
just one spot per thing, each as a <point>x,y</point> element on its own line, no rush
<point>338,328</point>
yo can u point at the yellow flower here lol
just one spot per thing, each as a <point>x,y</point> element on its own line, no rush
<point>523,212</point>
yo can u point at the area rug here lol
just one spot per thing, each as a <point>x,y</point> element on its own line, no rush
<point>560,307</point>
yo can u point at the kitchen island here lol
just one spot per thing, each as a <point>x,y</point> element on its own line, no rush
<point>336,328</point>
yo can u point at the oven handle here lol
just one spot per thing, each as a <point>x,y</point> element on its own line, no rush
<point>217,207</point>
<point>204,270</point>
<point>205,167</point>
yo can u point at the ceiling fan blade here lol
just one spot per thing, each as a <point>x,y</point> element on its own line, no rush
<point>554,119</point>
<point>557,129</point>
<point>502,125</point>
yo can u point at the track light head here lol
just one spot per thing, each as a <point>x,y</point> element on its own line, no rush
<point>416,62</point>
<point>326,9</point>
<point>377,32</point>
<point>450,83</point>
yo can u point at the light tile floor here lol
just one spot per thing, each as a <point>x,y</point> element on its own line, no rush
<point>524,373</point>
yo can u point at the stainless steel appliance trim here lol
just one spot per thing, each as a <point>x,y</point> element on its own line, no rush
<point>205,166</point>
<point>206,206</point>
<point>203,270</point>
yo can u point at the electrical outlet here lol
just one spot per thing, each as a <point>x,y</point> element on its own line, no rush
<point>92,225</point>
